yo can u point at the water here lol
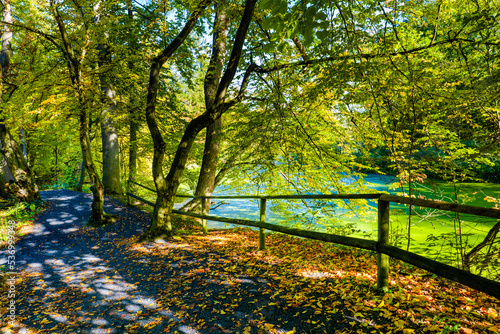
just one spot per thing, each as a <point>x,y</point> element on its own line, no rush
<point>249,208</point>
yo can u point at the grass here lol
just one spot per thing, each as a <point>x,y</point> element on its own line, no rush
<point>447,236</point>
<point>20,213</point>
<point>342,280</point>
<point>324,285</point>
<point>432,233</point>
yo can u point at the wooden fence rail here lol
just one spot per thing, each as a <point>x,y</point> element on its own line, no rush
<point>381,246</point>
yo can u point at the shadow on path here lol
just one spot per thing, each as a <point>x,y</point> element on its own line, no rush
<point>92,280</point>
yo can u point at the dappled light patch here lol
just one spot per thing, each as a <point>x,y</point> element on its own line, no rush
<point>417,301</point>
<point>104,280</point>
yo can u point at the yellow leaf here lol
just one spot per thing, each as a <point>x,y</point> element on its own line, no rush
<point>381,304</point>
<point>268,327</point>
<point>399,323</point>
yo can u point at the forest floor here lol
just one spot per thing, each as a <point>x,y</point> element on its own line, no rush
<point>69,278</point>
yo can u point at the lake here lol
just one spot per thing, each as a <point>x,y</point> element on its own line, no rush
<point>432,232</point>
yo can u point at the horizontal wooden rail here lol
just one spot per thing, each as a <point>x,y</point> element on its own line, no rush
<point>140,185</point>
<point>381,247</point>
<point>461,276</point>
<point>332,196</point>
<point>338,239</point>
<point>140,199</point>
<point>473,210</point>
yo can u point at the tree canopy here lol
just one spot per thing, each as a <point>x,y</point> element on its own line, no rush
<point>280,96</point>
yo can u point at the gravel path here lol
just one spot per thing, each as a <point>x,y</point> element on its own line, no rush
<point>87,280</point>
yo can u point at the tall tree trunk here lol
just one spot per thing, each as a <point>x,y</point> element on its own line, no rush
<point>167,186</point>
<point>79,185</point>
<point>132,157</point>
<point>6,40</point>
<point>111,171</point>
<point>5,170</point>
<point>3,181</point>
<point>22,183</point>
<point>97,216</point>
<point>164,201</point>
<point>206,178</point>
<point>133,115</point>
<point>24,186</point>
<point>81,181</point>
<point>228,165</point>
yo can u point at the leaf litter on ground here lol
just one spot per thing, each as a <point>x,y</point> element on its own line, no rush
<point>220,283</point>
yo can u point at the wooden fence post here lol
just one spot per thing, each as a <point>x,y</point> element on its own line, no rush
<point>203,209</point>
<point>383,238</point>
<point>262,232</point>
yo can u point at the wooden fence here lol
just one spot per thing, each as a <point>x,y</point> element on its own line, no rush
<point>381,246</point>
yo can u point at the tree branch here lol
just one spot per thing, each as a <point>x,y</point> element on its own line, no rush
<point>234,59</point>
<point>193,18</point>
<point>250,69</point>
<point>366,56</point>
<point>48,37</point>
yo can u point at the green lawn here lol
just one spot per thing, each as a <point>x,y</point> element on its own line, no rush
<point>438,234</point>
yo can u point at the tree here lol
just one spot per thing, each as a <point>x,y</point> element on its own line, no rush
<point>111,172</point>
<point>75,67</point>
<point>16,170</point>
<point>167,186</point>
<point>206,179</point>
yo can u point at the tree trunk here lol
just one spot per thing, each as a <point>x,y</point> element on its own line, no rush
<point>79,185</point>
<point>132,157</point>
<point>206,179</point>
<point>133,111</point>
<point>228,165</point>
<point>3,182</point>
<point>97,216</point>
<point>167,187</point>
<point>6,172</point>
<point>162,223</point>
<point>111,171</point>
<point>23,185</point>
<point>6,53</point>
